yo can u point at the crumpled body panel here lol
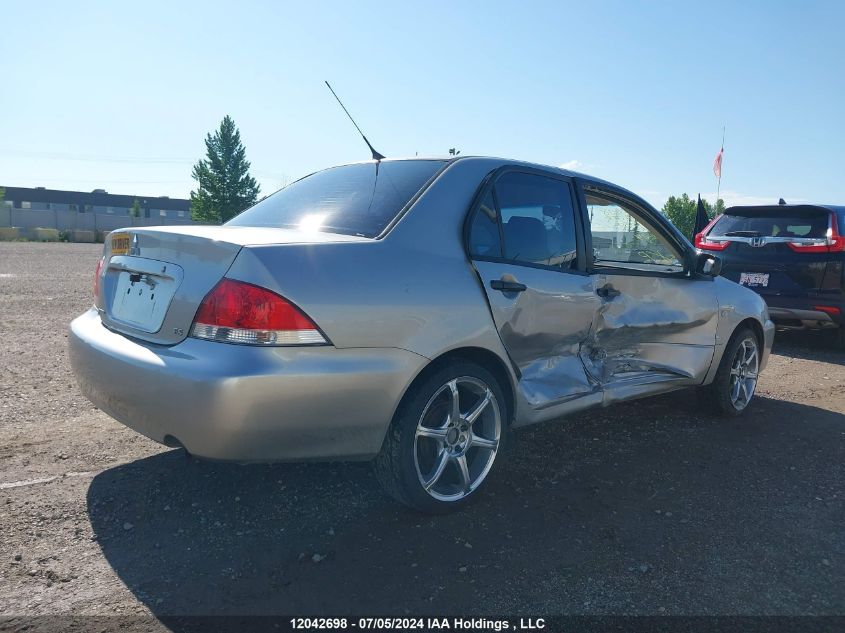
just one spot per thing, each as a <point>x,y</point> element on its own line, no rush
<point>656,325</point>
<point>544,329</point>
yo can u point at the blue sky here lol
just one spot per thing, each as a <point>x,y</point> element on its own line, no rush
<point>120,95</point>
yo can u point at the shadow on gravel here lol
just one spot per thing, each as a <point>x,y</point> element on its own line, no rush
<point>644,508</point>
<point>809,345</point>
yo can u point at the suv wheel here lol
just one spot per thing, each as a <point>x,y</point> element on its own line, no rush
<point>446,435</point>
<point>732,389</point>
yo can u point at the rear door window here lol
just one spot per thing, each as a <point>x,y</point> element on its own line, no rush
<point>538,221</point>
<point>484,237</point>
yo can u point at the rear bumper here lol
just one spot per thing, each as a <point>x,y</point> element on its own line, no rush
<point>244,403</point>
<point>802,313</point>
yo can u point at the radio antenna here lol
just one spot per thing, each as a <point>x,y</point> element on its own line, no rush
<point>376,155</point>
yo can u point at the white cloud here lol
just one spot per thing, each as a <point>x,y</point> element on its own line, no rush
<point>572,165</point>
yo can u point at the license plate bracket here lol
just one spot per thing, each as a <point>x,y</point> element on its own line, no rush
<point>139,291</point>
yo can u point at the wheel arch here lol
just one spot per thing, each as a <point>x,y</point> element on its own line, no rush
<point>485,358</point>
<point>755,326</point>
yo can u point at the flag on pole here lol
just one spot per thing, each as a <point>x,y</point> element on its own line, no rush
<point>701,219</point>
<point>717,164</point>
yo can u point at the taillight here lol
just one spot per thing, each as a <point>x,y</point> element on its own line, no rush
<point>97,272</point>
<point>705,244</point>
<point>833,242</point>
<point>238,312</point>
<point>832,310</point>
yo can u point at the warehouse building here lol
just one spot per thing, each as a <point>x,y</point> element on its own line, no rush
<point>98,201</point>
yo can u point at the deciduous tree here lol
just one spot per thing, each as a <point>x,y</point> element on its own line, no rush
<point>681,212</point>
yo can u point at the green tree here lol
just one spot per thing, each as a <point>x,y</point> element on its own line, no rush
<point>225,186</point>
<point>681,212</point>
<point>135,209</point>
<point>2,196</point>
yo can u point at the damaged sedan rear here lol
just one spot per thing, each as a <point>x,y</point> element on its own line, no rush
<point>413,313</point>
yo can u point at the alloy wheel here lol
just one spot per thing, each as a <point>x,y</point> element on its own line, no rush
<point>457,438</point>
<point>744,369</point>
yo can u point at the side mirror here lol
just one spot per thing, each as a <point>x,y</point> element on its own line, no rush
<point>708,264</point>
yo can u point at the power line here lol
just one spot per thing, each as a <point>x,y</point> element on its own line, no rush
<point>95,158</point>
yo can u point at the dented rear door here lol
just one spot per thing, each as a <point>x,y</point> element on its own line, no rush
<point>526,247</point>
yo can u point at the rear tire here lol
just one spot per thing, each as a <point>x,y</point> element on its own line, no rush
<point>447,434</point>
<point>733,388</point>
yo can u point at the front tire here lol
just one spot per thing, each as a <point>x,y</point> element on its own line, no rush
<point>444,439</point>
<point>732,389</point>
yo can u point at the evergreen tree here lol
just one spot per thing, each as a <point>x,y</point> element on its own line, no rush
<point>135,209</point>
<point>225,186</point>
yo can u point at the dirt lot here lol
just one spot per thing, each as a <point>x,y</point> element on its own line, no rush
<point>648,508</point>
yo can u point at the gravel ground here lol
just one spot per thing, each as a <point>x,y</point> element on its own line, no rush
<point>646,508</point>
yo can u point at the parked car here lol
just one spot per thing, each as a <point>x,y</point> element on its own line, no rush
<point>412,312</point>
<point>793,255</point>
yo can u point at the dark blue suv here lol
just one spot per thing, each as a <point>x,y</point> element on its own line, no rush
<point>792,255</point>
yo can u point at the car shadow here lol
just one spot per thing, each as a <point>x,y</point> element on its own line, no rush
<point>634,509</point>
<point>808,345</point>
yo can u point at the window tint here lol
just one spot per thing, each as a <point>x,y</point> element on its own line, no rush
<point>623,238</point>
<point>771,223</point>
<point>357,199</point>
<point>484,239</point>
<point>537,220</point>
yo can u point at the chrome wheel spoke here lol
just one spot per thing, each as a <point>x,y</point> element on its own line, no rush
<point>442,462</point>
<point>464,471</point>
<point>483,442</point>
<point>472,416</point>
<point>735,390</point>
<point>751,355</point>
<point>454,403</point>
<point>435,434</point>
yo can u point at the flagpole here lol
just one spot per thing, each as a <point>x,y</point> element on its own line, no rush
<point>719,180</point>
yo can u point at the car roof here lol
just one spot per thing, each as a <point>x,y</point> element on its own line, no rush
<point>496,162</point>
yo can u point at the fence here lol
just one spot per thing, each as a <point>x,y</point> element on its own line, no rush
<point>28,219</point>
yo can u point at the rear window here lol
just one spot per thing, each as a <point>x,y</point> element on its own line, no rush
<point>771,223</point>
<point>359,199</point>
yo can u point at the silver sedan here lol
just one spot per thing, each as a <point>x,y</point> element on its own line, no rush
<point>413,313</point>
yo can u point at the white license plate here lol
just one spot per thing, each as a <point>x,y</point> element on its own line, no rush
<point>754,280</point>
<point>141,300</point>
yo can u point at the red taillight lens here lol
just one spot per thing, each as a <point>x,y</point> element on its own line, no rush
<point>238,312</point>
<point>97,272</point>
<point>704,244</point>
<point>832,310</point>
<point>833,242</point>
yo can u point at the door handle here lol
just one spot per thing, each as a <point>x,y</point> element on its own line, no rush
<point>508,286</point>
<point>607,292</point>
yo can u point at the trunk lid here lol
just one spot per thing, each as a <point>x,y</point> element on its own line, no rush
<point>153,279</point>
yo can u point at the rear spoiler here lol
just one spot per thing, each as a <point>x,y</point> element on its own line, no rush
<point>777,208</point>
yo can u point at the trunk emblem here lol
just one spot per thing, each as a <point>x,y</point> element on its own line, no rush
<point>135,249</point>
<point>757,242</point>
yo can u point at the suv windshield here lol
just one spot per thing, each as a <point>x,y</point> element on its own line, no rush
<point>771,223</point>
<point>360,199</point>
